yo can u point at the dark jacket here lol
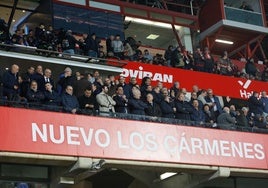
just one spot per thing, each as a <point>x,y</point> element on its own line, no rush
<point>153,109</point>
<point>255,105</point>
<point>121,104</point>
<point>183,110</point>
<point>167,109</point>
<point>69,102</point>
<point>198,115</point>
<point>52,98</point>
<point>83,100</point>
<point>35,96</point>
<point>137,106</point>
<point>9,80</point>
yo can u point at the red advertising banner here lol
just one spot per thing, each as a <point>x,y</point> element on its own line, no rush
<point>41,132</point>
<point>221,85</point>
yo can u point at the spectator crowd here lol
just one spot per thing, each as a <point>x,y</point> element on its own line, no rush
<point>129,49</point>
<point>92,94</point>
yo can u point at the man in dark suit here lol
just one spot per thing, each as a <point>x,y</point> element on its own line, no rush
<point>121,101</point>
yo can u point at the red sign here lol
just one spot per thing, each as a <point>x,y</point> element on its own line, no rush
<point>221,85</point>
<point>77,135</point>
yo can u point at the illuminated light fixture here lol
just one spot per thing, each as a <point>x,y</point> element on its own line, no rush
<point>152,36</point>
<point>167,175</point>
<point>23,10</point>
<point>152,23</point>
<point>13,20</point>
<point>224,41</point>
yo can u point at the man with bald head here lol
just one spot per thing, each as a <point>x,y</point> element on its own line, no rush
<point>11,84</point>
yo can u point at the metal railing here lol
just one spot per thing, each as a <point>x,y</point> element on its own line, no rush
<point>128,116</point>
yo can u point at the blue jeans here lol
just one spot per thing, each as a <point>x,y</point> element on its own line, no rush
<point>69,51</point>
<point>92,53</point>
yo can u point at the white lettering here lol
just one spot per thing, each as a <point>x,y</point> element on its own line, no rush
<point>87,138</point>
<point>72,137</point>
<point>184,145</point>
<point>225,149</point>
<point>236,149</point>
<point>248,150</point>
<point>120,142</point>
<point>140,74</point>
<point>52,135</point>
<point>150,139</point>
<point>107,139</point>
<point>167,144</point>
<point>259,151</point>
<point>168,78</point>
<point>42,134</point>
<point>136,136</point>
<point>197,144</point>
<point>211,150</point>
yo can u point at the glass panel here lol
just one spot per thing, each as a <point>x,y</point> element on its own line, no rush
<point>82,20</point>
<point>24,171</point>
<point>243,16</point>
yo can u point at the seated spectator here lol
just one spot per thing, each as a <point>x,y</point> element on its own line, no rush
<point>233,111</point>
<point>121,101</point>
<point>153,108</point>
<point>225,118</point>
<point>183,108</point>
<point>147,57</point>
<point>259,122</point>
<point>52,98</point>
<point>242,118</point>
<point>210,117</point>
<point>167,107</point>
<point>11,83</point>
<point>88,103</point>
<point>194,97</point>
<point>135,104</point>
<point>106,103</point>
<point>197,114</point>
<point>69,101</point>
<point>35,96</point>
